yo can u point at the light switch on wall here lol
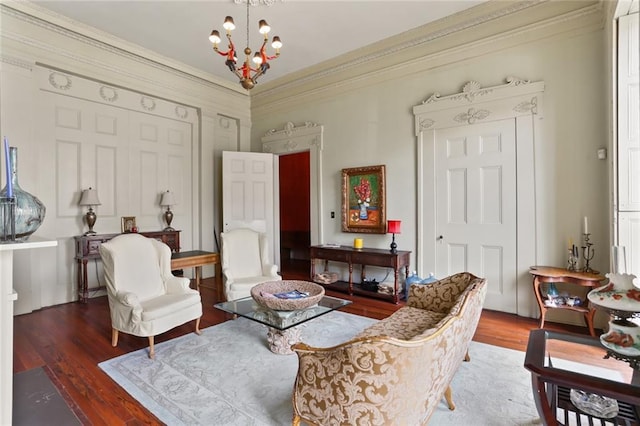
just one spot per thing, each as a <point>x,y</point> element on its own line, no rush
<point>602,154</point>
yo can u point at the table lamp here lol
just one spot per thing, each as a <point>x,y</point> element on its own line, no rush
<point>167,201</point>
<point>393,228</point>
<point>90,198</point>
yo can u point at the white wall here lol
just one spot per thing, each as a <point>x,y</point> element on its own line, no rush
<point>364,106</point>
<point>372,123</point>
<point>30,42</point>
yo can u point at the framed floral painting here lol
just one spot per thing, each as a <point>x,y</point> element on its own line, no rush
<point>364,200</point>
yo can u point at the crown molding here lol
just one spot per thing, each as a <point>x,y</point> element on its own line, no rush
<point>487,28</point>
<point>31,13</point>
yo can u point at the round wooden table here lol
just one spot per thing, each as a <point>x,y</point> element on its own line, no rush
<point>550,274</point>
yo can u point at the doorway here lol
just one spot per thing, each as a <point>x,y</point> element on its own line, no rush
<point>295,215</point>
<point>516,104</point>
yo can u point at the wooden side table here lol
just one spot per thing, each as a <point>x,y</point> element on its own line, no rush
<point>552,379</point>
<point>549,274</point>
<point>194,259</point>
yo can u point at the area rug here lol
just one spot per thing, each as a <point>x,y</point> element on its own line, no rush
<point>228,376</point>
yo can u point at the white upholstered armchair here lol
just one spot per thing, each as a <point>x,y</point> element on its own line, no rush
<point>245,262</point>
<point>145,299</point>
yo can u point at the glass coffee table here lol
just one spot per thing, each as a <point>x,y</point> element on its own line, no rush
<point>283,330</point>
<point>604,391</point>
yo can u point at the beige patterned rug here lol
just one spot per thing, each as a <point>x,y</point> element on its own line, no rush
<point>228,376</point>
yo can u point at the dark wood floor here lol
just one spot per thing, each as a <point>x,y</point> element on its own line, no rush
<point>70,340</point>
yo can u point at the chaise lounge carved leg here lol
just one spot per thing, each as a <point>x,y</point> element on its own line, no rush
<point>114,337</point>
<point>467,358</point>
<point>296,420</point>
<point>198,332</point>
<point>152,352</point>
<point>447,396</point>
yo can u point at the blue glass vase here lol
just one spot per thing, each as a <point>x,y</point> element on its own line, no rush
<point>29,210</point>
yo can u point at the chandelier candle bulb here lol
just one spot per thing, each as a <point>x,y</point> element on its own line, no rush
<point>245,72</point>
<point>586,225</point>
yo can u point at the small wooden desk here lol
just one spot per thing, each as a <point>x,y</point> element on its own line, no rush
<point>193,259</point>
<point>549,274</point>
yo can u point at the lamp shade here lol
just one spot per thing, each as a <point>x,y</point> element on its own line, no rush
<point>89,197</point>
<point>167,199</point>
<point>393,226</point>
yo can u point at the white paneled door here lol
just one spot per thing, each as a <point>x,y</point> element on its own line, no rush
<point>476,207</point>
<point>247,192</point>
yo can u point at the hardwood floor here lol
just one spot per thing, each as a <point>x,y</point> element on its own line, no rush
<point>70,340</point>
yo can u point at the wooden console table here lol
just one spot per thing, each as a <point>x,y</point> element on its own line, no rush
<point>364,256</point>
<point>549,274</point>
<point>88,247</point>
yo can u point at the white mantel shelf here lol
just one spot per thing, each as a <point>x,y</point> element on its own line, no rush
<point>33,242</point>
<point>7,297</point>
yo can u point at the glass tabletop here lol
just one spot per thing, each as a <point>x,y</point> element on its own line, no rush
<point>281,320</point>
<point>597,384</point>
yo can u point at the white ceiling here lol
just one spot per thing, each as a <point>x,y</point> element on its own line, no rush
<point>311,31</point>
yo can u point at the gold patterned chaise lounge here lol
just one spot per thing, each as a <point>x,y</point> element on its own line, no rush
<point>396,371</point>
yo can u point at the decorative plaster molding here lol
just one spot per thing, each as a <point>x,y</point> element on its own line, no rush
<point>256,2</point>
<point>583,18</point>
<point>109,94</point>
<point>224,122</point>
<point>531,106</point>
<point>60,81</point>
<point>471,116</point>
<point>473,89</point>
<point>146,57</point>
<point>512,7</point>
<point>425,123</point>
<point>290,145</point>
<point>181,112</point>
<point>9,60</point>
<point>290,129</point>
<point>517,97</point>
<point>147,103</point>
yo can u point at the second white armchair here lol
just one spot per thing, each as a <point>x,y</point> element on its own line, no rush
<point>245,262</point>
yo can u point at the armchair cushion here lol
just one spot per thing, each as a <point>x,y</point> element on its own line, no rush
<point>245,262</point>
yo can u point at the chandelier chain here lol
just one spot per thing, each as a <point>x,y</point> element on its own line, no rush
<point>247,24</point>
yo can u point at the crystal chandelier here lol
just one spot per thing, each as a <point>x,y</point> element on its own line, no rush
<point>246,73</point>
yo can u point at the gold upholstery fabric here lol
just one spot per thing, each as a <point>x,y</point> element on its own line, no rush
<point>396,371</point>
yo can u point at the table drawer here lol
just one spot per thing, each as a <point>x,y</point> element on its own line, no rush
<point>328,254</point>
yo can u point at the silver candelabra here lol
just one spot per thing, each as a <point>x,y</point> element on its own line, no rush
<point>587,253</point>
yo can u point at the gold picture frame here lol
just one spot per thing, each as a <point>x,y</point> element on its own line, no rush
<point>364,206</point>
<point>128,223</point>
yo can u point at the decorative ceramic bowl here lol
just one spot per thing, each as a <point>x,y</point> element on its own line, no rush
<point>623,337</point>
<point>266,294</point>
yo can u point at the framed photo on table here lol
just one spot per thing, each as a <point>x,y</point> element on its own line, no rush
<point>364,200</point>
<point>129,224</point>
